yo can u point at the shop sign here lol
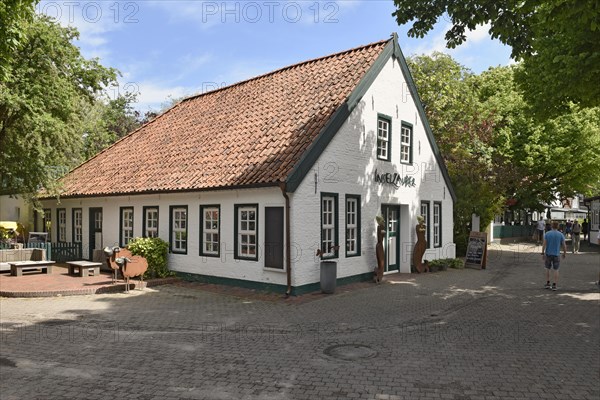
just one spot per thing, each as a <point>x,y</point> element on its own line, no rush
<point>395,179</point>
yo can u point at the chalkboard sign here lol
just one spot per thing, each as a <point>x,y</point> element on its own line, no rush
<point>476,250</point>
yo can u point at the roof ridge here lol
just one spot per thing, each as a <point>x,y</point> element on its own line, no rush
<point>282,69</point>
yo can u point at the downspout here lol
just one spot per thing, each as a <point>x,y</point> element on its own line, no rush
<point>288,245</point>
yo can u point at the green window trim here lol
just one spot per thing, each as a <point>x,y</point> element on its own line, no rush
<point>144,220</point>
<point>427,222</point>
<point>358,224</point>
<point>203,207</point>
<point>122,211</point>
<point>438,204</point>
<point>335,239</point>
<point>236,241</point>
<point>61,238</point>
<point>172,237</point>
<point>74,226</point>
<point>407,125</point>
<point>388,120</point>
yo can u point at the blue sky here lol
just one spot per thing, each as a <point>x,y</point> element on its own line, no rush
<point>175,48</point>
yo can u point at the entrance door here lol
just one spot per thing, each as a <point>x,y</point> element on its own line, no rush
<point>95,230</point>
<point>391,216</point>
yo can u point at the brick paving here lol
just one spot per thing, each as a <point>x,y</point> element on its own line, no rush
<point>459,334</point>
<point>60,283</point>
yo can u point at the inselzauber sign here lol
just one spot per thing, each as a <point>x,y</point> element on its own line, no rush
<point>395,179</point>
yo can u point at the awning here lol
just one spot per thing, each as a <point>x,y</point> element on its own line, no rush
<point>8,225</point>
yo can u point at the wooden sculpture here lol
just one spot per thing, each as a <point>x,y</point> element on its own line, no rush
<point>420,246</point>
<point>379,252</point>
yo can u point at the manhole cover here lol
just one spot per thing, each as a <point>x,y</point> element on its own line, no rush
<point>350,352</point>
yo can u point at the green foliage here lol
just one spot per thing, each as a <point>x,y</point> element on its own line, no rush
<point>496,150</point>
<point>14,14</point>
<point>561,58</point>
<point>42,100</point>
<point>106,121</point>
<point>155,250</point>
<point>444,263</point>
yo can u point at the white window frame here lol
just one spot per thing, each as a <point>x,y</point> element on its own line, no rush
<point>126,225</point>
<point>210,230</point>
<point>62,224</point>
<point>437,224</point>
<point>151,222</point>
<point>384,133</point>
<point>247,237</point>
<point>179,216</point>
<point>352,226</point>
<point>425,214</point>
<point>77,225</point>
<point>329,225</point>
<point>406,132</point>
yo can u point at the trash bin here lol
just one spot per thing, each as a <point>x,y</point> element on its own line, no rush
<point>328,276</point>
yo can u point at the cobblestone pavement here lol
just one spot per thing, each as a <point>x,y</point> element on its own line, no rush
<point>459,334</point>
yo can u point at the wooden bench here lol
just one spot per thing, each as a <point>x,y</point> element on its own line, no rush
<point>17,267</point>
<point>84,267</point>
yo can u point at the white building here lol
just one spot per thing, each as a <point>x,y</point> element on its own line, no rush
<point>594,203</point>
<point>248,181</point>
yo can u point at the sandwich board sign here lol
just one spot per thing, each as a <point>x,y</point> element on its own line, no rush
<point>476,250</point>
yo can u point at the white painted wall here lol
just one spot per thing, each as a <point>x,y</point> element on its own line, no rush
<point>347,166</point>
<point>225,266</point>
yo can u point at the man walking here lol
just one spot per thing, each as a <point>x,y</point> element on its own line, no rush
<point>553,241</point>
<point>541,225</point>
<point>575,236</point>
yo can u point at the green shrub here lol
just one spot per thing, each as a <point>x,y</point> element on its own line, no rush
<point>446,263</point>
<point>154,250</point>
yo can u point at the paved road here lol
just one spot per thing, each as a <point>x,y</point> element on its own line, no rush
<point>460,334</point>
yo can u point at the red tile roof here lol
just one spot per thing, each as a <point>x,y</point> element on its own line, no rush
<point>248,134</point>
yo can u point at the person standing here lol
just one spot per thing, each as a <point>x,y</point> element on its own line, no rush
<point>585,229</point>
<point>568,228</point>
<point>576,236</point>
<point>541,225</point>
<point>553,242</point>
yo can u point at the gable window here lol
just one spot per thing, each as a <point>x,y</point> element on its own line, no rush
<point>425,214</point>
<point>150,222</point>
<point>209,230</point>
<point>126,235</point>
<point>437,224</point>
<point>77,225</point>
<point>406,142</point>
<point>246,235</point>
<point>352,225</point>
<point>384,137</point>
<point>178,232</point>
<point>329,225</point>
<point>61,217</point>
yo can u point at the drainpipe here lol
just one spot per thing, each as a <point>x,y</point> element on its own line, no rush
<point>288,245</point>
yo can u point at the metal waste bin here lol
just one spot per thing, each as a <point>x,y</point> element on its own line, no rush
<point>328,276</point>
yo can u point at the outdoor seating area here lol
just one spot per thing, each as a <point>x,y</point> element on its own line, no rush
<point>62,279</point>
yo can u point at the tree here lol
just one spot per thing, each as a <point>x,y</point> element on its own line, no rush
<point>42,105</point>
<point>495,150</point>
<point>558,41</point>
<point>13,15</point>
<point>465,137</point>
<point>106,121</point>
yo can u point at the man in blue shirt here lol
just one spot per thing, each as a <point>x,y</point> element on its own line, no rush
<point>553,241</point>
